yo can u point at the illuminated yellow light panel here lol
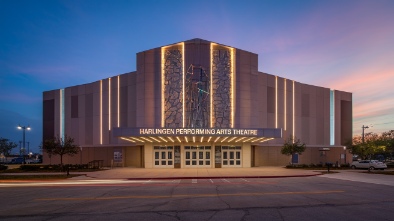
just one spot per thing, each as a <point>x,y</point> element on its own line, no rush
<point>211,88</point>
<point>101,112</point>
<point>109,104</point>
<point>60,115</point>
<point>285,104</point>
<point>293,109</point>
<point>162,84</point>
<point>123,138</point>
<point>232,86</point>
<point>225,139</point>
<point>276,101</point>
<point>118,101</point>
<point>183,83</point>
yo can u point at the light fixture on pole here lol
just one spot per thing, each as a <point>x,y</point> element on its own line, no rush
<point>24,128</point>
<point>364,127</point>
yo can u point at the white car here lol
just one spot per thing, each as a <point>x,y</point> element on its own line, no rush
<point>368,164</point>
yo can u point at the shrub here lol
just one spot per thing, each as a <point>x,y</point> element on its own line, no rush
<point>3,167</point>
<point>345,165</point>
<point>28,167</point>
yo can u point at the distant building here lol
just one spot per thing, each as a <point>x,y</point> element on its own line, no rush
<point>198,104</point>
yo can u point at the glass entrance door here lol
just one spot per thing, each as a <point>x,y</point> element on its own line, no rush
<point>231,156</point>
<point>163,156</point>
<point>197,156</point>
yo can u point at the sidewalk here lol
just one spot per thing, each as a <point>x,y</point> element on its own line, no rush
<point>142,173</point>
<point>361,176</point>
<point>254,172</point>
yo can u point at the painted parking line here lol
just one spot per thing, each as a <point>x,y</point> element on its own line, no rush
<point>190,195</point>
<point>127,182</point>
<point>108,182</point>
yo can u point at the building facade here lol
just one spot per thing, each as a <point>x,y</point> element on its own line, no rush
<point>198,104</point>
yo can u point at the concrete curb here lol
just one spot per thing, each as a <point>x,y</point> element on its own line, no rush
<point>223,177</point>
<point>210,177</point>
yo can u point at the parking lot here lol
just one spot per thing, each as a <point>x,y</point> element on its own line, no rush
<point>343,196</point>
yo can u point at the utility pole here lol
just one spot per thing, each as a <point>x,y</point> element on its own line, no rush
<point>364,127</point>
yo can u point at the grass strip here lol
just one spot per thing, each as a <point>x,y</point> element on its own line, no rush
<point>381,172</point>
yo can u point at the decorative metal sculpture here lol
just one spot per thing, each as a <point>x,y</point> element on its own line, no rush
<point>197,97</point>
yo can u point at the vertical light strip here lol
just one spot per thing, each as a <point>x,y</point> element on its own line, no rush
<point>276,101</point>
<point>285,105</point>
<point>332,117</point>
<point>232,86</point>
<point>109,104</point>
<point>211,85</point>
<point>119,101</point>
<point>293,109</point>
<point>162,85</point>
<point>183,84</point>
<point>101,111</point>
<point>62,113</point>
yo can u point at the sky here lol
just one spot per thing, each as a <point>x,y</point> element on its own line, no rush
<point>344,45</point>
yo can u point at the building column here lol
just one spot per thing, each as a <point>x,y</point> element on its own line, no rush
<point>148,158</point>
<point>246,155</point>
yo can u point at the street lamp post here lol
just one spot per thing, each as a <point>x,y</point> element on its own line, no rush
<point>24,128</point>
<point>364,127</point>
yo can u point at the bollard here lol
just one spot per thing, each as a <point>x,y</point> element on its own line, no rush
<point>328,166</point>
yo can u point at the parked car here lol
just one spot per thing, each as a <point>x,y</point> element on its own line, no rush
<point>368,164</point>
<point>18,160</point>
<point>33,161</point>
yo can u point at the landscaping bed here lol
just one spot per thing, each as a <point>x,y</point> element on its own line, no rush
<point>318,166</point>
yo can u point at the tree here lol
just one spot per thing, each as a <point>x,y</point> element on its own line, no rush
<point>373,144</point>
<point>58,146</point>
<point>6,146</point>
<point>388,141</point>
<point>293,146</point>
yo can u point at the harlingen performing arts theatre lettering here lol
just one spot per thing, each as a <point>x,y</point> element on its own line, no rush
<point>197,131</point>
<point>198,104</point>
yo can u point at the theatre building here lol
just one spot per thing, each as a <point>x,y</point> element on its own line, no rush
<point>198,104</point>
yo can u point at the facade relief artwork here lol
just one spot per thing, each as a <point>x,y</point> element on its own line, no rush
<point>173,66</point>
<point>221,83</point>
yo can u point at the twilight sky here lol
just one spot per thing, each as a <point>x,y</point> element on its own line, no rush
<point>339,44</point>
